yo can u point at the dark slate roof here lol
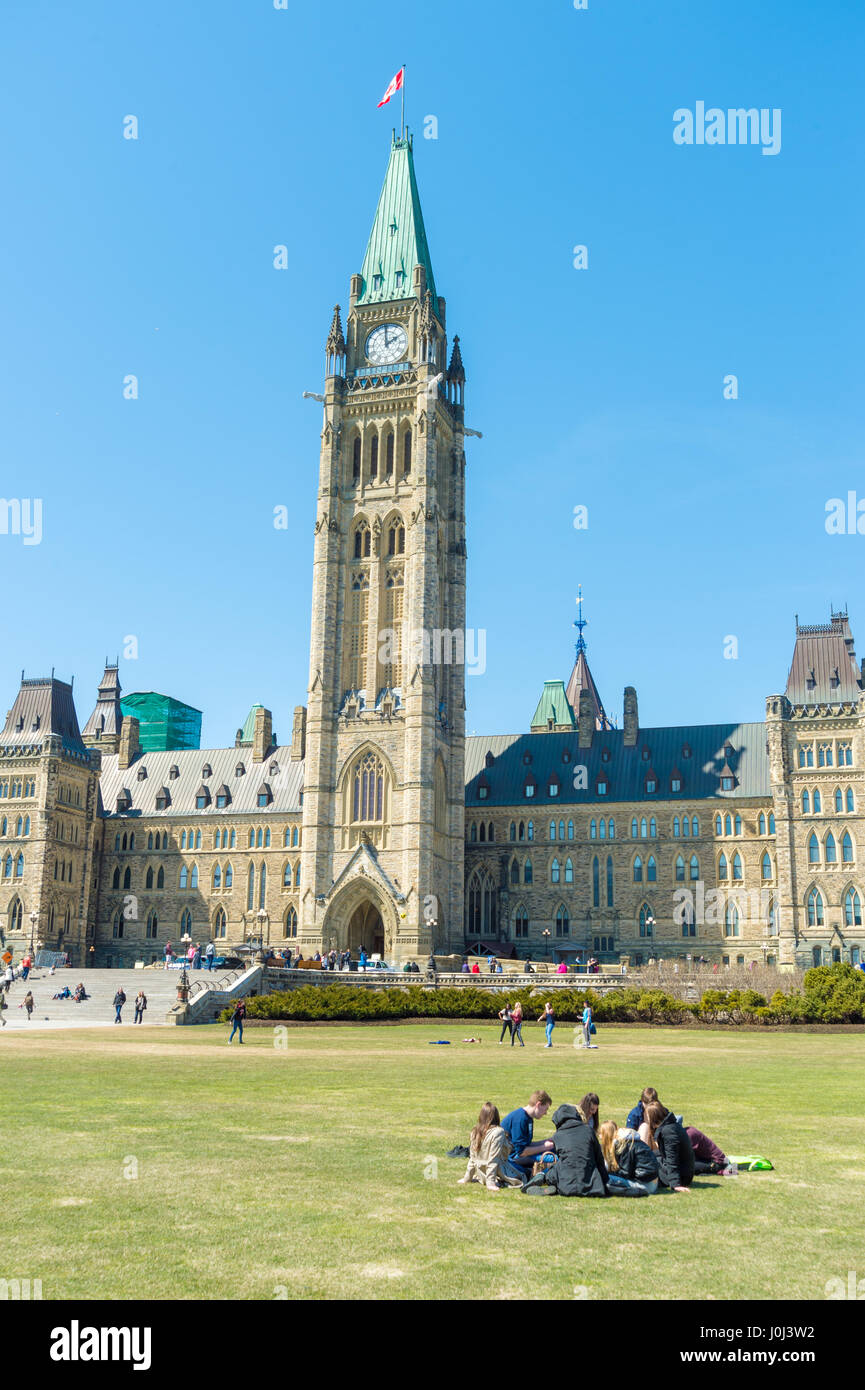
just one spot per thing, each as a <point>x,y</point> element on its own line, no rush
<point>107,717</point>
<point>824,668</point>
<point>42,707</point>
<point>581,679</point>
<point>626,770</point>
<point>285,784</point>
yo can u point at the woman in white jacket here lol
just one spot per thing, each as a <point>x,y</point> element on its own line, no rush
<point>489,1146</point>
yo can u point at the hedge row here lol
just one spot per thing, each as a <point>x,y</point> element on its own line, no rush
<point>830,994</point>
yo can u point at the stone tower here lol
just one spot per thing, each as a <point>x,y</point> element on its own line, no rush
<point>383,800</point>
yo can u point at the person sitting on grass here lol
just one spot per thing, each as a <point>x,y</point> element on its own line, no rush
<point>489,1149</point>
<point>673,1147</point>
<point>579,1169</point>
<point>637,1116</point>
<point>708,1158</point>
<point>588,1108</point>
<point>632,1168</point>
<point>519,1127</point>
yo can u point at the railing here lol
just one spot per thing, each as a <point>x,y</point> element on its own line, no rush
<point>221,983</point>
<point>275,976</point>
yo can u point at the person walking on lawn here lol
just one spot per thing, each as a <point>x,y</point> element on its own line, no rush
<point>119,1001</point>
<point>29,1004</point>
<point>140,1006</point>
<point>237,1017</point>
<point>507,1024</point>
<point>517,1024</point>
<point>548,1019</point>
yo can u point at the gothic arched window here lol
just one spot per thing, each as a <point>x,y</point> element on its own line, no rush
<point>368,789</point>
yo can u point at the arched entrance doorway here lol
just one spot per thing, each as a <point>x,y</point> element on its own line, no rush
<point>366,929</point>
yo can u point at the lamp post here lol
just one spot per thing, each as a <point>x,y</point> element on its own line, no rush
<point>183,982</point>
<point>262,917</point>
<point>546,935</point>
<point>34,918</point>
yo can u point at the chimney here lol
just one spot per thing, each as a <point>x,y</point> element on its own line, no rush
<point>631,717</point>
<point>130,746</point>
<point>586,720</point>
<point>262,735</point>
<point>298,734</point>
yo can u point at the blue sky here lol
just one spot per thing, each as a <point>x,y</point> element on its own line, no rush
<point>600,387</point>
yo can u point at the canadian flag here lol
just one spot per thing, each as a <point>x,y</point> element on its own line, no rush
<point>393,88</point>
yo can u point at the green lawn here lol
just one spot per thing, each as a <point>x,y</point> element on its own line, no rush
<point>307,1171</point>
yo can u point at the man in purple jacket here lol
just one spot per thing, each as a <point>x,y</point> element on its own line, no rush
<point>708,1158</point>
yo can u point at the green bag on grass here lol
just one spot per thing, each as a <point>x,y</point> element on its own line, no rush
<point>753,1163</point>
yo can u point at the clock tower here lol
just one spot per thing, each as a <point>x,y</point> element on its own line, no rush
<point>384,792</point>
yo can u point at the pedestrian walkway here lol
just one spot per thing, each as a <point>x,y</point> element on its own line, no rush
<point>97,1010</point>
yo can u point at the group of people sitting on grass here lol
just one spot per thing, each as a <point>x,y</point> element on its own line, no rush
<point>588,1158</point>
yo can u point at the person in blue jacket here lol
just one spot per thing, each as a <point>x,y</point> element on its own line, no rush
<point>637,1115</point>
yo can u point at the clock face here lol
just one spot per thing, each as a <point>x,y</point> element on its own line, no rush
<point>387,343</point>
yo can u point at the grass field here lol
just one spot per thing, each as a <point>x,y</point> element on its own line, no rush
<point>159,1163</point>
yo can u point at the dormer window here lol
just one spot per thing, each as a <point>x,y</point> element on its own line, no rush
<point>400,279</point>
<point>163,800</point>
<point>483,789</point>
<point>651,785</point>
<point>36,722</point>
<point>202,798</point>
<point>273,770</point>
<point>835,679</point>
<point>527,758</point>
<point>675,784</point>
<point>605,755</point>
<point>554,789</point>
<point>240,770</point>
<point>173,772</point>
<point>142,773</point>
<point>601,789</point>
<point>264,795</point>
<point>686,750</point>
<point>124,801</point>
<point>812,679</point>
<point>207,770</point>
<point>529,787</point>
<point>727,784</point>
<point>489,759</point>
<point>223,797</point>
<point>646,754</point>
<point>377,282</point>
<point>566,756</point>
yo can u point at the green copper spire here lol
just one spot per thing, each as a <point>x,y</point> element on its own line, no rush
<point>397,242</point>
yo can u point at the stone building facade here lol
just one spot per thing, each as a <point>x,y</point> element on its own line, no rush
<point>380,824</point>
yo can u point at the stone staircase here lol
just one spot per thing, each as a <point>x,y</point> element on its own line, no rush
<point>159,985</point>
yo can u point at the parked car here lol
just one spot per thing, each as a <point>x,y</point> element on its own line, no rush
<point>376,965</point>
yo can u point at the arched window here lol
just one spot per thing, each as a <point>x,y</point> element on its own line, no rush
<point>569,871</point>
<point>831,849</point>
<point>530,831</point>
<point>815,909</point>
<point>251,837</point>
<point>217,876</point>
<point>596,882</point>
<point>675,827</point>
<point>521,832</point>
<point>593,830</point>
<point>290,923</point>
<point>647,921</point>
<point>527,871</point>
<point>182,840</point>
<point>232,844</point>
<point>602,830</point>
<point>219,923</point>
<point>806,802</point>
<point>737,867</point>
<point>552,829</point>
<point>771,822</point>
<point>651,870</point>
<point>481,904</point>
<point>685,826</point>
<point>396,539</point>
<point>722,865</point>
<point>16,915</point>
<point>563,922</point>
<point>570,829</point>
<point>148,878</point>
<point>554,871</point>
<point>609,881</point>
<point>258,838</point>
<point>297,874</point>
<point>643,828</point>
<point>362,541</point>
<point>728,825</point>
<point>766,866</point>
<point>731,920</point>
<point>761,824</point>
<point>846,848</point>
<point>738,825</point>
<point>406,452</point>
<point>152,926</point>
<point>849,798</point>
<point>818,804</point>
<point>250,888</point>
<point>852,908</point>
<point>373,458</point>
<point>127,878</point>
<point>115,880</point>
<point>160,877</point>
<point>286,876</point>
<point>561,829</point>
<point>513,830</point>
<point>193,876</point>
<point>515,871</point>
<point>483,834</point>
<point>680,869</point>
<point>813,849</point>
<point>229,875</point>
<point>186,922</point>
<point>473,833</point>
<point>718,826</point>
<point>839,801</point>
<point>262,885</point>
<point>19,867</point>
<point>355,460</point>
<point>653,828</point>
<point>612,828</point>
<point>521,922</point>
<point>638,869</point>
<point>694,868</point>
<point>368,789</point>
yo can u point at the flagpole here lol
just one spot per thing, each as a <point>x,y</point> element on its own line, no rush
<point>402,94</point>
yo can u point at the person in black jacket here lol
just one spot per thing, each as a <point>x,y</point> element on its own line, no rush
<point>579,1170</point>
<point>632,1167</point>
<point>675,1155</point>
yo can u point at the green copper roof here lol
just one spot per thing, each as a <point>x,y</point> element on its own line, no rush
<point>248,730</point>
<point>553,705</point>
<point>397,242</point>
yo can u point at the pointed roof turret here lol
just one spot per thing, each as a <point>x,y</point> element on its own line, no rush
<point>456,370</point>
<point>335,340</point>
<point>397,242</point>
<point>581,677</point>
<point>107,717</point>
<point>554,709</point>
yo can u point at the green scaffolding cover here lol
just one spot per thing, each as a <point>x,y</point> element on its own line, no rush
<point>164,723</point>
